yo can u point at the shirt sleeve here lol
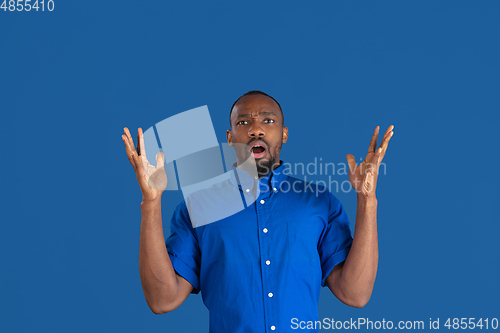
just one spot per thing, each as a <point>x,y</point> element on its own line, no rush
<point>336,241</point>
<point>183,249</point>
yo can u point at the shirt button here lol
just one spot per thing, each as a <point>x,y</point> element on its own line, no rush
<point>265,230</point>
<point>268,262</point>
<point>270,295</point>
<point>275,189</point>
<point>273,328</point>
<point>247,190</point>
<point>262,201</point>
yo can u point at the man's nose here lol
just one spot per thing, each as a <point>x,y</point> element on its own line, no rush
<point>255,129</point>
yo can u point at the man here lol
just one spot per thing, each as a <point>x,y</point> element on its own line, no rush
<point>262,266</point>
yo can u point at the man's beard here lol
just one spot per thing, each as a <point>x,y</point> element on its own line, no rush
<point>265,166</point>
<point>261,166</point>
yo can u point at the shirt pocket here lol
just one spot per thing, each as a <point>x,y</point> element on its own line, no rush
<point>303,238</point>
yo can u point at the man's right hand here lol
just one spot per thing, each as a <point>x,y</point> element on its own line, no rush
<point>152,180</point>
<point>163,287</point>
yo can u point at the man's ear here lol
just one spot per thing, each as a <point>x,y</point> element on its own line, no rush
<point>229,137</point>
<point>285,134</point>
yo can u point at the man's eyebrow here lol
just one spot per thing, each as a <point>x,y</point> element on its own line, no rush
<point>249,115</point>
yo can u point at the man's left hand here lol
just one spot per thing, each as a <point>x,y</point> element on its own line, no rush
<point>363,177</point>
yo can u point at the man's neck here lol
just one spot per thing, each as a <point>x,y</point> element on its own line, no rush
<point>256,170</point>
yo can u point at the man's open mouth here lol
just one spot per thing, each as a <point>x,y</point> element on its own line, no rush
<point>258,148</point>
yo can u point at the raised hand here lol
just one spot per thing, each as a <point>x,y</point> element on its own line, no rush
<point>152,180</point>
<point>363,177</point>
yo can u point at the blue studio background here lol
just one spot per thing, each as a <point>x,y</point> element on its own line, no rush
<point>71,79</point>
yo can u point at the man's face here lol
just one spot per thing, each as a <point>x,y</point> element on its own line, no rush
<point>257,128</point>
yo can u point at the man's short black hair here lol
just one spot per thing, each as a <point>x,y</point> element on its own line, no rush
<point>255,92</point>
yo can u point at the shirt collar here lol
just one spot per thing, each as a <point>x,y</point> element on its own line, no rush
<point>242,179</point>
<point>245,181</point>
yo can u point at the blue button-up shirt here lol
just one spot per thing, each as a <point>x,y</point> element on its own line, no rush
<point>262,266</point>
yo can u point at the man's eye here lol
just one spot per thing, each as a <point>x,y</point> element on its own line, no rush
<point>269,121</point>
<point>242,122</point>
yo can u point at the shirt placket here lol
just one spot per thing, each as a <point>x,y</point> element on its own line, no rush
<point>263,208</point>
